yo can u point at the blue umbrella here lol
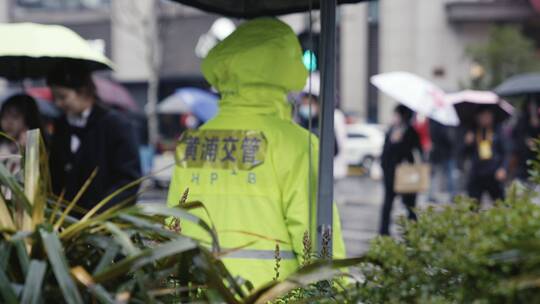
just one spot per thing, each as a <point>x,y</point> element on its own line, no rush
<point>203,104</point>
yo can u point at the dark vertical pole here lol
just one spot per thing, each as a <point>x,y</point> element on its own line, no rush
<point>326,157</point>
<point>337,82</point>
<point>373,61</point>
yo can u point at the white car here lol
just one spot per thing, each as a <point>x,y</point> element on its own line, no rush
<point>364,144</point>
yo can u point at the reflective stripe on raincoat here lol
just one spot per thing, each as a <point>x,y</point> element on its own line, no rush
<point>257,207</point>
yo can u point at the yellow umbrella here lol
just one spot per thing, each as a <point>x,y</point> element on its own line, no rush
<point>29,50</point>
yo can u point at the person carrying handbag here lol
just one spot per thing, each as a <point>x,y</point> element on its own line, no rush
<point>401,142</point>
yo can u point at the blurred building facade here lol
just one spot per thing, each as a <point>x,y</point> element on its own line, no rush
<point>426,37</point>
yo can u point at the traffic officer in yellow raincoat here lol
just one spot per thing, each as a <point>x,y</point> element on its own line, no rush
<point>250,164</point>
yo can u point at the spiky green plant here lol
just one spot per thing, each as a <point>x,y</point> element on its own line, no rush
<point>277,259</point>
<point>307,248</point>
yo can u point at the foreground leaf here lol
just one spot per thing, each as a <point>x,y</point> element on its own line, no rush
<point>34,280</point>
<point>60,267</point>
<point>145,257</point>
<point>97,290</point>
<point>6,219</point>
<point>7,292</point>
<point>75,200</point>
<point>8,180</point>
<point>36,179</point>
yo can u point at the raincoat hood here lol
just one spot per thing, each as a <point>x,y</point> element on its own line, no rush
<point>256,66</point>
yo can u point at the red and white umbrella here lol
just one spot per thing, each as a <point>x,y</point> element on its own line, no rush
<point>417,94</point>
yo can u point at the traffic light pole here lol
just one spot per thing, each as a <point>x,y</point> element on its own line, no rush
<point>325,194</point>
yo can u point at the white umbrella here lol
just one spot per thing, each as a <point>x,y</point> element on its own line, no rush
<point>417,94</point>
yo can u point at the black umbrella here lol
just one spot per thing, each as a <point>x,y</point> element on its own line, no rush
<point>469,103</point>
<point>467,112</point>
<point>522,84</point>
<point>256,8</point>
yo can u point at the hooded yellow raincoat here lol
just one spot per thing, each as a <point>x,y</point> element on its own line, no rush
<point>250,164</point>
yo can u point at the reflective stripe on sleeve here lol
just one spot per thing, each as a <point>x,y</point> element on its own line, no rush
<point>259,254</point>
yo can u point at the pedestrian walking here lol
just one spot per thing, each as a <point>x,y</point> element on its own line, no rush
<point>308,112</point>
<point>88,137</point>
<point>250,165</point>
<point>484,145</point>
<point>526,131</point>
<point>308,117</point>
<point>401,143</point>
<point>442,160</point>
<point>341,167</point>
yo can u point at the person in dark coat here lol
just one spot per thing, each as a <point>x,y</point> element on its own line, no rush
<point>524,135</point>
<point>484,144</point>
<point>308,118</point>
<point>87,137</point>
<point>442,158</point>
<point>401,142</point>
<point>308,112</point>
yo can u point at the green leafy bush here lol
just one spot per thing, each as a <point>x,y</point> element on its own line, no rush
<point>453,256</point>
<point>457,254</point>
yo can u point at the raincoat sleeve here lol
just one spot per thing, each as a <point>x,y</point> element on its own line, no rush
<point>296,192</point>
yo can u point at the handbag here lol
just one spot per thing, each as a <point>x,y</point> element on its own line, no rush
<point>412,178</point>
